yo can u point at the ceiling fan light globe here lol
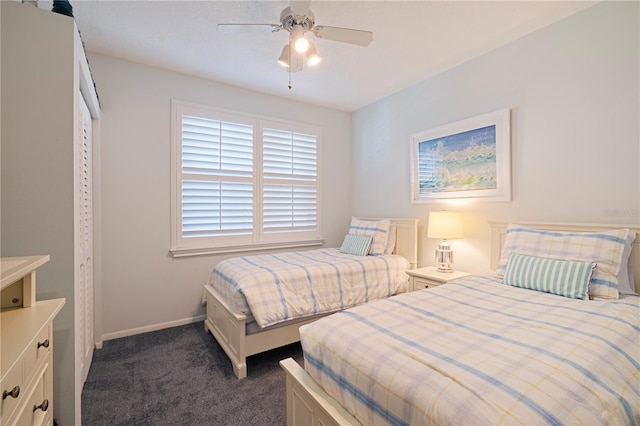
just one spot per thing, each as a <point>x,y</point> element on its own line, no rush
<point>301,45</point>
<point>312,56</point>
<point>297,62</point>
<point>284,56</point>
<point>314,60</point>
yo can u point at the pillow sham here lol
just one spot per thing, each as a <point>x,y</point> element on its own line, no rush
<point>358,245</point>
<point>566,278</point>
<point>378,230</point>
<point>626,281</point>
<point>603,248</point>
<point>391,239</point>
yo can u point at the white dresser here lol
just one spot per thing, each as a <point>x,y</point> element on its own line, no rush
<point>26,344</point>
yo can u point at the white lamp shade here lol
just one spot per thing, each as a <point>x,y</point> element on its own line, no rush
<point>284,56</point>
<point>445,225</point>
<point>290,59</point>
<point>312,55</point>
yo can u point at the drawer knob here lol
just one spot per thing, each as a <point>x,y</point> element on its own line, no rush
<point>44,406</point>
<point>45,344</point>
<point>13,393</point>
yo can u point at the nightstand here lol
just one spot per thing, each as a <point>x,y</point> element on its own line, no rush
<point>422,278</point>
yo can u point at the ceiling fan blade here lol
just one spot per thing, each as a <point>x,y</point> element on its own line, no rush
<point>248,28</point>
<point>300,8</point>
<point>344,35</point>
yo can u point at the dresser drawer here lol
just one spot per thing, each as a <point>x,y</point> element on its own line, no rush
<point>37,407</point>
<point>37,351</point>
<point>13,390</point>
<point>422,283</point>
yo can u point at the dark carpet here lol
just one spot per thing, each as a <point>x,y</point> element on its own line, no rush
<point>181,376</point>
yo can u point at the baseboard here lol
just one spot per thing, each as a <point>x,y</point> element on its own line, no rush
<point>140,330</point>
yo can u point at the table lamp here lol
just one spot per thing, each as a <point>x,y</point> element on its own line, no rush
<point>444,225</point>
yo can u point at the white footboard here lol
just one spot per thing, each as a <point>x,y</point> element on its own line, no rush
<point>228,327</point>
<point>308,403</point>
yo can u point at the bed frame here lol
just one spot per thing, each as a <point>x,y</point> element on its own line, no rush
<point>228,325</point>
<point>309,404</point>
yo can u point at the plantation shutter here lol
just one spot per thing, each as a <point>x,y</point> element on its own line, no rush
<point>241,182</point>
<point>217,170</point>
<point>290,195</point>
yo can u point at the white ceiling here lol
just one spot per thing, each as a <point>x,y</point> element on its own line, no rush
<point>412,41</point>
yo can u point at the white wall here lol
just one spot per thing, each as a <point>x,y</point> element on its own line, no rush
<point>142,285</point>
<point>573,90</point>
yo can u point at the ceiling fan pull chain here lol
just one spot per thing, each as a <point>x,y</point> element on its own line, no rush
<point>290,63</point>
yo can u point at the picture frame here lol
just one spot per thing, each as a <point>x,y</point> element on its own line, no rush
<point>467,159</point>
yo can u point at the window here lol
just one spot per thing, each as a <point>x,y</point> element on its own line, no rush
<point>241,182</point>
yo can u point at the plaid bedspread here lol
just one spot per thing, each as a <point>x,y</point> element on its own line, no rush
<point>478,352</point>
<point>280,287</point>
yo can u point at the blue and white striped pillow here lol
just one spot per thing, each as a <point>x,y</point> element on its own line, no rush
<point>603,248</point>
<point>566,278</point>
<point>357,245</point>
<point>378,230</point>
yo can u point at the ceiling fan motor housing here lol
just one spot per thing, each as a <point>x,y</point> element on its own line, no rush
<point>288,20</point>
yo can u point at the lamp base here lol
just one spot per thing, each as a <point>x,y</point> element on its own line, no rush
<point>444,257</point>
<point>447,269</point>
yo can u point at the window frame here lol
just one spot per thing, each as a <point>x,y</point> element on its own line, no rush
<point>258,240</point>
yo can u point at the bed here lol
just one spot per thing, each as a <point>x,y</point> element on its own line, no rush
<point>242,332</point>
<point>477,351</point>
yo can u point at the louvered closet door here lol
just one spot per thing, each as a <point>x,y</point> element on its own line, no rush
<point>85,229</point>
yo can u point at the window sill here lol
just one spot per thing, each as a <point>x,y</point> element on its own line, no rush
<point>187,252</point>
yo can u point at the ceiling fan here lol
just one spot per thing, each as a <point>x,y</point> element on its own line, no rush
<point>299,20</point>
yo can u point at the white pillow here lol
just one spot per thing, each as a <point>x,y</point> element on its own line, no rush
<point>391,239</point>
<point>603,248</point>
<point>626,282</point>
<point>378,230</point>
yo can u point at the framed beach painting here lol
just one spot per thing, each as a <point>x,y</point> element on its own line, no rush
<point>466,159</point>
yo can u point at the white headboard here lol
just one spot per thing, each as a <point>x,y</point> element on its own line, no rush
<point>406,238</point>
<point>499,231</point>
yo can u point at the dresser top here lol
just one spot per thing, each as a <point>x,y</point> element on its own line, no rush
<point>14,268</point>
